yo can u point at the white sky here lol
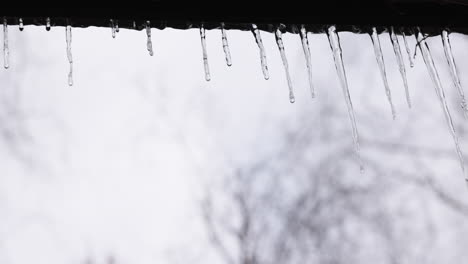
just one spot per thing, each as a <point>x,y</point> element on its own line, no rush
<point>120,158</point>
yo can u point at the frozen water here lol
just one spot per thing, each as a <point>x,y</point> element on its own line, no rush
<point>381,63</point>
<point>306,48</point>
<point>263,58</point>
<point>401,63</point>
<point>335,46</point>
<point>205,53</point>
<point>279,41</point>
<point>68,36</point>
<point>6,50</point>
<point>227,52</point>
<point>149,44</point>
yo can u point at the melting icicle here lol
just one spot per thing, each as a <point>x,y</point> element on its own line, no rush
<point>48,24</point>
<point>431,68</point>
<point>68,35</point>
<point>149,44</point>
<point>20,23</point>
<point>408,50</point>
<point>263,59</point>
<point>6,51</point>
<point>279,41</point>
<point>380,62</point>
<point>306,48</point>
<point>401,63</point>
<point>337,56</point>
<point>453,70</point>
<point>205,53</point>
<point>227,52</point>
<point>114,30</point>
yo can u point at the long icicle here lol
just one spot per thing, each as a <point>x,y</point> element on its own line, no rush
<point>431,68</point>
<point>149,44</point>
<point>263,58</point>
<point>6,50</point>
<point>205,53</point>
<point>381,63</point>
<point>401,63</point>
<point>335,46</point>
<point>226,50</point>
<point>68,36</point>
<point>306,48</point>
<point>453,70</point>
<point>408,50</point>
<point>279,41</point>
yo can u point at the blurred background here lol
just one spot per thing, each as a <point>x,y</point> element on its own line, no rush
<point>143,161</point>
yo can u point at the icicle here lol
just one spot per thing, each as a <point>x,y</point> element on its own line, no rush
<point>48,24</point>
<point>117,29</point>
<point>401,63</point>
<point>279,41</point>
<point>205,53</point>
<point>306,48</point>
<point>431,68</point>
<point>149,44</point>
<point>380,62</point>
<point>226,45</point>
<point>134,25</point>
<point>335,46</point>
<point>20,23</point>
<point>6,51</point>
<point>113,28</point>
<point>408,50</point>
<point>68,35</point>
<point>263,59</point>
<point>453,70</point>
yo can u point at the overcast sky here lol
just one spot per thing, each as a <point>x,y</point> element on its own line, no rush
<point>116,164</point>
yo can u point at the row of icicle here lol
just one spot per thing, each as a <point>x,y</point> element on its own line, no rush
<point>337,55</point>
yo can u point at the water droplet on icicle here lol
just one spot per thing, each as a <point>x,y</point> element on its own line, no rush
<point>306,48</point>
<point>6,50</point>
<point>408,50</point>
<point>401,63</point>
<point>453,70</point>
<point>112,25</point>
<point>381,63</point>
<point>48,24</point>
<point>263,58</point>
<point>227,52</point>
<point>279,41</point>
<point>205,53</point>
<point>68,35</point>
<point>431,68</point>
<point>20,24</point>
<point>149,44</point>
<point>335,46</point>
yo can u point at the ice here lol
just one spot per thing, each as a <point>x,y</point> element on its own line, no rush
<point>306,48</point>
<point>279,41</point>
<point>227,52</point>
<point>400,62</point>
<point>149,44</point>
<point>205,53</point>
<point>263,58</point>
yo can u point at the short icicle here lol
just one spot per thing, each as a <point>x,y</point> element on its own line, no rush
<point>113,28</point>
<point>117,29</point>
<point>48,23</point>
<point>149,44</point>
<point>279,41</point>
<point>68,36</point>
<point>205,53</point>
<point>408,50</point>
<point>20,24</point>
<point>401,63</point>
<point>306,48</point>
<point>263,59</point>
<point>335,46</point>
<point>454,70</point>
<point>6,50</point>
<point>431,68</point>
<point>227,52</point>
<point>381,63</point>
